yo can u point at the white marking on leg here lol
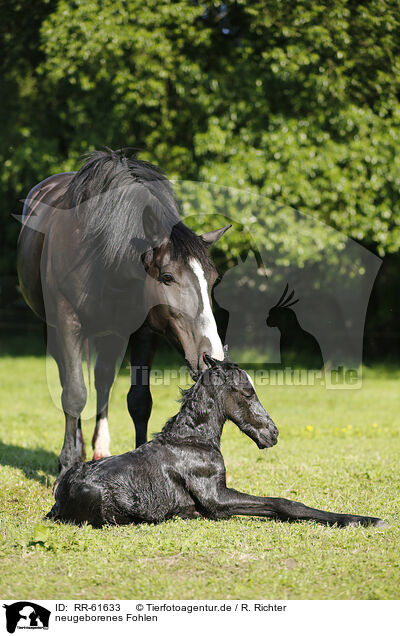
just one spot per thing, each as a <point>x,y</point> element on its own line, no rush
<point>102,439</point>
<point>206,318</point>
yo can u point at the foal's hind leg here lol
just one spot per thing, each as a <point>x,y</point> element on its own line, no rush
<point>143,345</point>
<point>221,502</point>
<point>108,350</point>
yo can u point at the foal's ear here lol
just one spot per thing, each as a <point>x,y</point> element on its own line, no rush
<point>210,238</point>
<point>210,362</point>
<point>152,226</point>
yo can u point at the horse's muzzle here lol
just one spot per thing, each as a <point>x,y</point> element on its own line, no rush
<point>267,437</point>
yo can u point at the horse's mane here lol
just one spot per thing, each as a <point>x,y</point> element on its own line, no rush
<point>109,195</point>
<point>195,400</point>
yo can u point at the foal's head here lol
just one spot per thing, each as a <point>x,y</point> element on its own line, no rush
<point>235,391</point>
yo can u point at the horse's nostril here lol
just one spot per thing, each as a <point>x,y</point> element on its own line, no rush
<point>274,432</point>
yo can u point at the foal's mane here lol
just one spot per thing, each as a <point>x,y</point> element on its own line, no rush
<point>109,194</point>
<point>195,400</point>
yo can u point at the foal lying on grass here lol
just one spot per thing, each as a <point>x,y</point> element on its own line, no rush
<point>181,472</point>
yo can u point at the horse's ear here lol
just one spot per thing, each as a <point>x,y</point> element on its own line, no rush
<point>193,374</point>
<point>146,258</point>
<point>210,238</point>
<point>152,226</point>
<point>210,362</point>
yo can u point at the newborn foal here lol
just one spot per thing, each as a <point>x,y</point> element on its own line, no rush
<point>181,472</point>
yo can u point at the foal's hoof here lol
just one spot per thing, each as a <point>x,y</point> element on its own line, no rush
<point>382,524</point>
<point>370,521</point>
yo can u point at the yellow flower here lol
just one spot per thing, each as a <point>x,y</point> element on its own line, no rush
<point>310,428</point>
<point>344,430</point>
<point>375,425</point>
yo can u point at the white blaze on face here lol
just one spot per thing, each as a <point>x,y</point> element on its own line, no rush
<point>206,319</point>
<point>250,380</point>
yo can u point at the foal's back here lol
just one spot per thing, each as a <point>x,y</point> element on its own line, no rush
<point>146,484</point>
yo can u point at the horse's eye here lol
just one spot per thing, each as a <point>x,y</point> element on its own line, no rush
<point>166,279</point>
<point>246,391</point>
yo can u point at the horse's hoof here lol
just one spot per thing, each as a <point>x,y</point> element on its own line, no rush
<point>99,455</point>
<point>380,523</point>
<point>369,521</point>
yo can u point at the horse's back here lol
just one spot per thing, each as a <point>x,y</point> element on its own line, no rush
<point>40,202</point>
<point>47,191</point>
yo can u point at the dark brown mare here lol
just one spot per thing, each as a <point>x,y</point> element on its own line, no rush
<point>103,253</point>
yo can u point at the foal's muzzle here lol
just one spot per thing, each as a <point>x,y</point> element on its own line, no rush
<point>268,436</point>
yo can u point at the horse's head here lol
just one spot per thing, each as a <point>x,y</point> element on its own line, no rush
<point>178,284</point>
<point>240,402</point>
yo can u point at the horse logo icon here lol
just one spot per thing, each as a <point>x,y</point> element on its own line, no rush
<point>26,615</point>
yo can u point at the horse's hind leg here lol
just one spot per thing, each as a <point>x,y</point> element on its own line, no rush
<point>143,345</point>
<point>108,350</point>
<point>69,344</point>
<point>50,339</point>
<point>225,502</point>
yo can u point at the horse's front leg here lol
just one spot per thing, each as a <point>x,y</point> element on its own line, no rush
<point>218,501</point>
<point>69,342</point>
<point>108,349</point>
<point>143,345</point>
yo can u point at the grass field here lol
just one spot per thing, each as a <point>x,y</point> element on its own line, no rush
<point>337,450</point>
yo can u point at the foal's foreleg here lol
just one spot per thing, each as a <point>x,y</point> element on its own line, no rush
<point>230,502</point>
<point>143,345</point>
<point>108,349</point>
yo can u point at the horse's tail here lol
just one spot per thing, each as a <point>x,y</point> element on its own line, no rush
<point>87,350</point>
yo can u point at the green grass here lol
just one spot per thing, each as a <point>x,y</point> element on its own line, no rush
<point>337,450</point>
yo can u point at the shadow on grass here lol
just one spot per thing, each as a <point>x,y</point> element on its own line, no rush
<point>30,461</point>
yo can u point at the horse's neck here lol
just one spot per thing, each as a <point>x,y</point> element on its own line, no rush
<point>191,422</point>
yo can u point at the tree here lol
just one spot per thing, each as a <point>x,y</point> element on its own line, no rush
<point>298,102</point>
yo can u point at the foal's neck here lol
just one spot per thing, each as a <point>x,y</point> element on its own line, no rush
<point>200,416</point>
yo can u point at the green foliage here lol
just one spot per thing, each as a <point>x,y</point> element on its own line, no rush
<point>314,118</point>
<point>294,101</point>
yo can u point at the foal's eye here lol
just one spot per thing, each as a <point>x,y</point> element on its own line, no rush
<point>166,279</point>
